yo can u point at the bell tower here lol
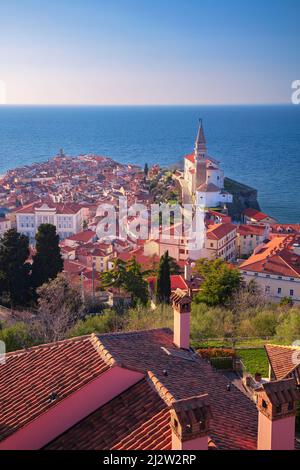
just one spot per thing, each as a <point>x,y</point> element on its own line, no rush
<point>200,156</point>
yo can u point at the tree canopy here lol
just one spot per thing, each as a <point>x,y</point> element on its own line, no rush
<point>59,308</point>
<point>220,281</point>
<point>14,268</point>
<point>47,262</point>
<point>129,277</point>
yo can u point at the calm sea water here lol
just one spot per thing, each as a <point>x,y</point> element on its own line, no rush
<point>257,145</point>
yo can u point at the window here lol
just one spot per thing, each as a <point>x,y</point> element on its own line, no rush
<point>267,289</point>
<point>279,290</point>
<point>291,292</point>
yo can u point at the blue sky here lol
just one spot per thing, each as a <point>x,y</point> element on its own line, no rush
<point>149,51</point>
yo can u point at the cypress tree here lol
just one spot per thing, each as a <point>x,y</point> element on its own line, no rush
<point>14,270</point>
<point>47,262</point>
<point>163,284</point>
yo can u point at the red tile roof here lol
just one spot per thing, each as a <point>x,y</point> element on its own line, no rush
<point>282,359</point>
<point>191,157</point>
<point>30,376</point>
<point>219,231</point>
<point>285,228</point>
<point>274,258</point>
<point>248,229</point>
<point>255,214</point>
<point>177,282</point>
<point>234,423</point>
<point>67,208</point>
<point>138,419</point>
<point>84,236</point>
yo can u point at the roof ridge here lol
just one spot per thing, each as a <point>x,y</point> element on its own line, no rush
<point>47,345</point>
<point>133,332</point>
<point>161,389</point>
<point>288,264</point>
<point>283,346</point>
<point>103,351</point>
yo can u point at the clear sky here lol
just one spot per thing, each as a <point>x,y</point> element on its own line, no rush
<point>149,51</point>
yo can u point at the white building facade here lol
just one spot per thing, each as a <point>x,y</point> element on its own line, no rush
<point>67,218</point>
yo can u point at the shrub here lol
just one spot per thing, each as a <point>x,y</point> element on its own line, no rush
<point>289,329</point>
<point>209,353</point>
<point>93,324</point>
<point>18,336</point>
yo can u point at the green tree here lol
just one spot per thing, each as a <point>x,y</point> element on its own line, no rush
<point>286,302</point>
<point>163,283</point>
<point>146,169</point>
<point>210,322</point>
<point>47,262</point>
<point>14,269</point>
<point>94,324</point>
<point>265,323</point>
<point>142,318</point>
<point>289,328</point>
<point>220,282</point>
<point>174,268</point>
<point>135,282</point>
<point>116,277</point>
<point>18,336</point>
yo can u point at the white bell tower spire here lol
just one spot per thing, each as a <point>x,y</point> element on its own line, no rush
<point>200,144</point>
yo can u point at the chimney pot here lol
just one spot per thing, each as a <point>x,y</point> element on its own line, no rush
<point>182,312</point>
<point>276,403</point>
<point>190,419</point>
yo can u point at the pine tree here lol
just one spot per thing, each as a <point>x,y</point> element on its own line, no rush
<point>14,271</point>
<point>146,169</point>
<point>116,277</point>
<point>47,262</point>
<point>163,283</point>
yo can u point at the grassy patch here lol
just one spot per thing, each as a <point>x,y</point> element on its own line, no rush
<point>244,343</point>
<point>255,360</point>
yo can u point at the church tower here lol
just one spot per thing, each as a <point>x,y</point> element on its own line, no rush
<point>200,156</point>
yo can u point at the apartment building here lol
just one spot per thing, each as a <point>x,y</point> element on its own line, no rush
<point>275,267</point>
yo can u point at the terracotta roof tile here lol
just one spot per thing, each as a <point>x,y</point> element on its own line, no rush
<point>135,420</point>
<point>282,359</point>
<point>29,377</point>
<point>219,231</point>
<point>180,374</point>
<point>255,214</point>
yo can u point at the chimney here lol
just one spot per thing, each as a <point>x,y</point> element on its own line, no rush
<point>276,404</point>
<point>182,315</point>
<point>190,423</point>
<point>187,272</point>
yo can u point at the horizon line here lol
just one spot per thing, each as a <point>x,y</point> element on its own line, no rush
<point>6,105</point>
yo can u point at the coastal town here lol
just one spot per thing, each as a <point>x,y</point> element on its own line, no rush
<point>103,368</point>
<point>67,191</point>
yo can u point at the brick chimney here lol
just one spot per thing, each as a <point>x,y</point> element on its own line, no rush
<point>190,423</point>
<point>276,404</point>
<point>182,315</point>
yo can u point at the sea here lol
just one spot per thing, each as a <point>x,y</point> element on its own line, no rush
<point>256,145</point>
